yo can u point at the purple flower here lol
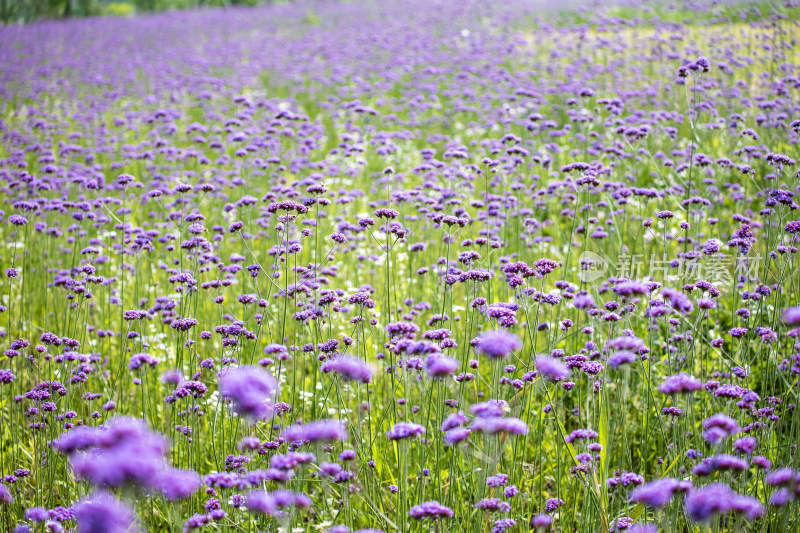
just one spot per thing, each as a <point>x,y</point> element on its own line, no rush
<point>36,514</point>
<point>101,512</point>
<point>497,480</point>
<point>349,368</point>
<point>501,525</point>
<point>453,421</point>
<point>489,408</point>
<point>541,521</point>
<point>7,376</point>
<point>493,425</point>
<point>737,332</point>
<point>621,358</point>
<point>125,452</point>
<point>552,504</point>
<point>319,431</point>
<point>745,445</point>
<point>441,366</point>
<point>678,300</point>
<point>780,497</point>
<point>498,344</point>
<point>781,476</point>
<point>583,301</point>
<point>718,427</point>
<point>404,430</point>
<point>581,434</point>
<point>176,484</point>
<point>680,384</point>
<point>274,503</point>
<point>658,493</point>
<point>762,462</point>
<point>620,524</point>
<point>5,494</point>
<point>625,479</point>
<point>432,509</point>
<point>456,435</point>
<point>642,528</point>
<point>791,316</point>
<point>492,505</point>
<point>551,369</point>
<point>251,389</point>
<point>717,498</point>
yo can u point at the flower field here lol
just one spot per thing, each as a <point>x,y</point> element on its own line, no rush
<point>402,266</point>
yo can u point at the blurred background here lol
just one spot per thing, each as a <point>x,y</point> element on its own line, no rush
<point>16,11</point>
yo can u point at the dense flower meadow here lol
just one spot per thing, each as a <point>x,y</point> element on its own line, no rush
<point>413,266</point>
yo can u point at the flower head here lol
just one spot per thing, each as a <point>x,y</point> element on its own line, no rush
<point>498,344</point>
<point>251,389</point>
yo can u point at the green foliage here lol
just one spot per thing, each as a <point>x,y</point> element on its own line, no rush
<point>312,18</point>
<point>119,9</point>
<point>30,10</point>
<point>23,11</point>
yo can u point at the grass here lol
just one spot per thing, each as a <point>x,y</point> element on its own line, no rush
<point>526,209</point>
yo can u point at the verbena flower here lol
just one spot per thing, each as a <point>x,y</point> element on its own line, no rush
<point>430,510</point>
<point>251,389</point>
<point>349,368</point>
<point>551,369</point>
<point>318,431</point>
<point>101,512</point>
<point>717,498</point>
<point>404,430</point>
<point>498,344</point>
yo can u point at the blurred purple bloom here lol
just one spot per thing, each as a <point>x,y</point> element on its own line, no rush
<point>498,344</point>
<point>349,368</point>
<point>551,369</point>
<point>717,498</point>
<point>318,431</point>
<point>251,389</point>
<point>431,509</point>
<point>101,512</point>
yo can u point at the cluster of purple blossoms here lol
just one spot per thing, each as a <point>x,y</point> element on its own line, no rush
<point>125,453</point>
<point>430,510</point>
<point>703,503</point>
<point>405,430</point>
<point>660,492</point>
<point>718,427</point>
<point>498,344</point>
<point>551,369</point>
<point>349,368</point>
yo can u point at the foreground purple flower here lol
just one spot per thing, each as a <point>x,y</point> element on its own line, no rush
<point>498,344</point>
<point>318,431</point>
<point>176,484</point>
<point>5,495</point>
<point>349,368</point>
<point>404,430</point>
<point>493,425</point>
<point>718,427</point>
<point>680,384</point>
<point>251,389</point>
<point>101,512</point>
<point>274,503</point>
<point>127,452</point>
<point>658,493</point>
<point>791,316</point>
<point>717,498</point>
<point>551,369</point>
<point>441,366</point>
